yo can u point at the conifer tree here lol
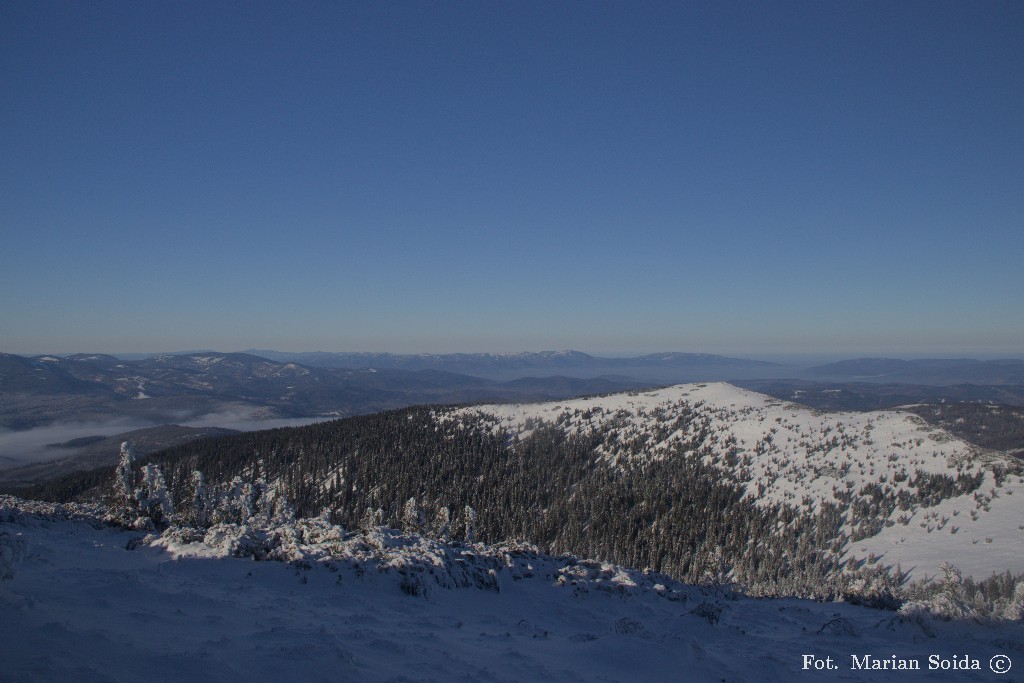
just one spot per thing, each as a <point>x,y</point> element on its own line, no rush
<point>199,514</point>
<point>154,500</point>
<point>442,528</point>
<point>125,502</point>
<point>412,517</point>
<point>469,518</point>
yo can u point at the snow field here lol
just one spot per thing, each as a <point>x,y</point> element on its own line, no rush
<point>84,607</point>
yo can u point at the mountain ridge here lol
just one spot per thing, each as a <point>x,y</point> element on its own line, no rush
<point>947,371</point>
<point>173,388</point>
<point>665,367</point>
<point>782,494</point>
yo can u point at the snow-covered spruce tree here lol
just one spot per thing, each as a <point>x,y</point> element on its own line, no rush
<point>371,519</point>
<point>1014,607</point>
<point>716,569</point>
<point>951,603</point>
<point>154,500</point>
<point>234,505</point>
<point>442,527</point>
<point>469,524</point>
<point>261,502</point>
<point>279,509</point>
<point>269,504</point>
<point>199,512</point>
<point>263,495</point>
<point>412,517</point>
<point>125,505</point>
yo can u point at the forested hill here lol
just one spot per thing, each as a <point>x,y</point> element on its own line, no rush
<point>697,481</point>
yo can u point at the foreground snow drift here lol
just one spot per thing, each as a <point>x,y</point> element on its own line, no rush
<point>382,606</point>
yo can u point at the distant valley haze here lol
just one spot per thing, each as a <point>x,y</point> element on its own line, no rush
<point>72,410</point>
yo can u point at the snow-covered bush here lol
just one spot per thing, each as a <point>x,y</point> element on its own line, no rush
<point>920,614</point>
<point>1014,607</point>
<point>12,550</point>
<point>875,586</point>
<point>1001,596</point>
<point>237,540</point>
<point>8,512</point>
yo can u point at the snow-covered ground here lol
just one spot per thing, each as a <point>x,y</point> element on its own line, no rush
<point>792,454</point>
<point>82,606</point>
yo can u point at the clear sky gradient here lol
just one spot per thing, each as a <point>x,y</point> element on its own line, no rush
<point>747,178</point>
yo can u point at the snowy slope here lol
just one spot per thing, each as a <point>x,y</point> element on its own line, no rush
<point>83,607</point>
<point>788,453</point>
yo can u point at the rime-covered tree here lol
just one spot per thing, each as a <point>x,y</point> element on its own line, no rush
<point>280,510</point>
<point>371,519</point>
<point>951,601</point>
<point>199,511</point>
<point>442,526</point>
<point>154,500</point>
<point>125,503</point>
<point>235,505</point>
<point>469,519</point>
<point>412,517</point>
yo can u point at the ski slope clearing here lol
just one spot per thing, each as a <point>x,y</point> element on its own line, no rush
<point>381,606</point>
<point>912,495</point>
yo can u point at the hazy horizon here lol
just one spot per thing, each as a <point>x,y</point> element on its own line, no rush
<point>791,358</point>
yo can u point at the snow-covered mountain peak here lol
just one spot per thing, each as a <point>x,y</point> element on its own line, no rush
<point>901,484</point>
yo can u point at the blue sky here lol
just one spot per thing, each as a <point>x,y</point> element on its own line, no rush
<point>747,178</point>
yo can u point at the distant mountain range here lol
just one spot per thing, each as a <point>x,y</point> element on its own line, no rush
<point>930,371</point>
<point>668,368</point>
<point>103,395</point>
<point>881,395</point>
<point>41,390</point>
<point>174,388</point>
<point>664,368</point>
